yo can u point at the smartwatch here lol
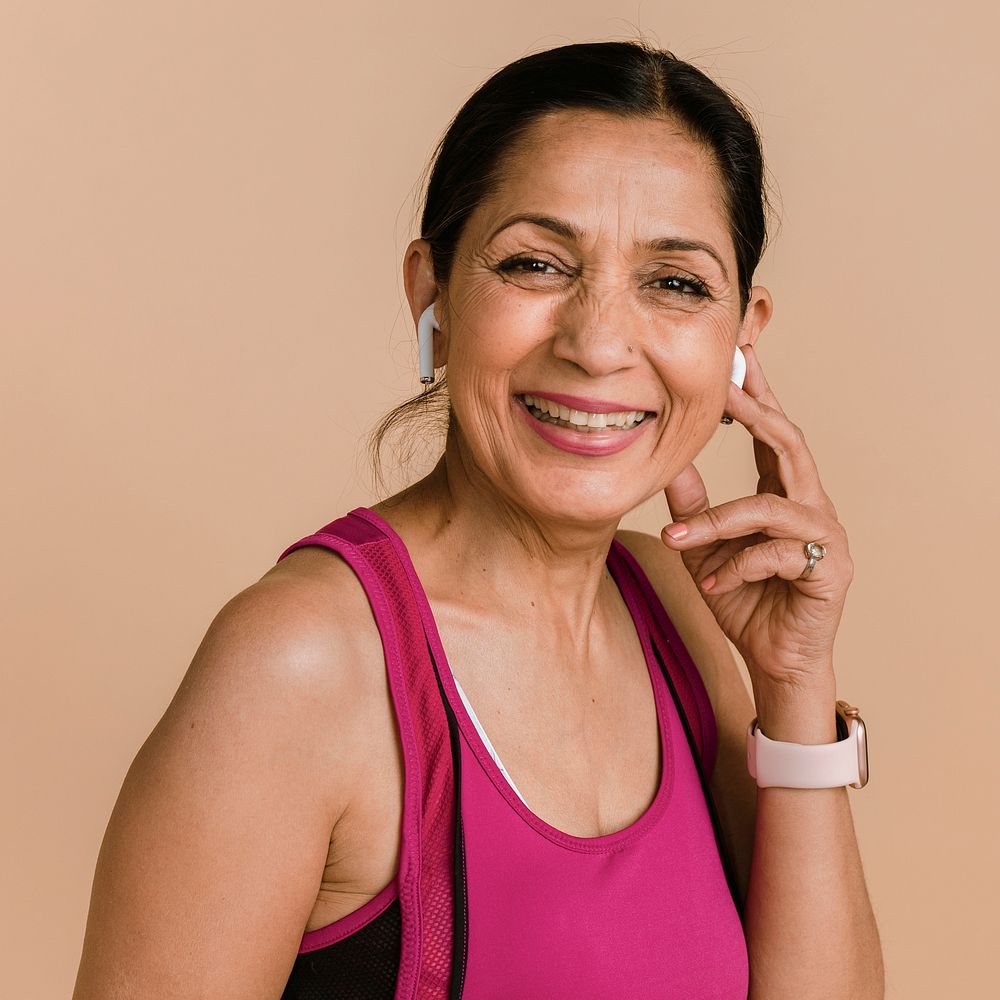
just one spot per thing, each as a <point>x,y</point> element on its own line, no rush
<point>812,765</point>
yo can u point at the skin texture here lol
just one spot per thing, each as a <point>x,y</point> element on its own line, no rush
<point>569,329</point>
<point>267,800</point>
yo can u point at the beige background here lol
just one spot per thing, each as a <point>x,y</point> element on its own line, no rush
<point>203,208</point>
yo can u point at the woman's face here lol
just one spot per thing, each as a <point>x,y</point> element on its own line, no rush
<point>598,285</point>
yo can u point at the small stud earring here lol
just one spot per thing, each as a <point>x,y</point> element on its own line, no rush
<point>726,419</point>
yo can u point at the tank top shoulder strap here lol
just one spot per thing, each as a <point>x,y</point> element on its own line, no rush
<point>425,879</point>
<point>682,674</point>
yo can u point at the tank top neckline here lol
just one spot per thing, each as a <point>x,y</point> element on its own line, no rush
<point>600,844</point>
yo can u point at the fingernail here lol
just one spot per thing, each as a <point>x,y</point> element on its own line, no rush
<point>676,530</point>
<point>708,583</point>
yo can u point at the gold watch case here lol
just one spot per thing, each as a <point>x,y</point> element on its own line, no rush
<point>846,714</point>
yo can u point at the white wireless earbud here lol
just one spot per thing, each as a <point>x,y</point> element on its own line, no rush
<point>426,326</point>
<point>739,372</point>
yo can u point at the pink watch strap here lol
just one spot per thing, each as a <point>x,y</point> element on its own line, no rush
<point>801,765</point>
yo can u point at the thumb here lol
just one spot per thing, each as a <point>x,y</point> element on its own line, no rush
<point>686,494</point>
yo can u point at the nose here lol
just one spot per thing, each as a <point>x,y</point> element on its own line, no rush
<point>592,333</point>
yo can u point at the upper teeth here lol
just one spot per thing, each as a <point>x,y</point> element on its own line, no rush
<point>581,418</point>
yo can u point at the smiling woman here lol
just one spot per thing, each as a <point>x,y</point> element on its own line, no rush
<point>606,233</point>
<point>475,741</point>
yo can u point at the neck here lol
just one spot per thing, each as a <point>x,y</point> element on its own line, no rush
<point>473,547</point>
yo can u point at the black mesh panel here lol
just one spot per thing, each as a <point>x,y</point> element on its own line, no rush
<point>361,966</point>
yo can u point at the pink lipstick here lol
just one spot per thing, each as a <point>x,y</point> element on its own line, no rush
<point>592,441</point>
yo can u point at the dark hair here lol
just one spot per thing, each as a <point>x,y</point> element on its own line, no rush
<point>629,79</point>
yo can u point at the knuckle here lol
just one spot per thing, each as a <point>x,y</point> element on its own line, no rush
<point>713,518</point>
<point>838,539</point>
<point>774,551</point>
<point>794,432</point>
<point>792,440</point>
<point>764,555</point>
<point>740,562</point>
<point>772,506</point>
<point>848,569</point>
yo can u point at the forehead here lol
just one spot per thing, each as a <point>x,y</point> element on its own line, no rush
<point>600,170</point>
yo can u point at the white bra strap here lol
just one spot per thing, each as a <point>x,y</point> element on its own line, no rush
<point>485,738</point>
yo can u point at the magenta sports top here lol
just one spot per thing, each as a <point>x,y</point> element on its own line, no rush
<point>491,902</point>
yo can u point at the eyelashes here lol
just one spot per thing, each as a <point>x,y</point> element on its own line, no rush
<point>526,265</point>
<point>700,289</point>
<point>535,266</point>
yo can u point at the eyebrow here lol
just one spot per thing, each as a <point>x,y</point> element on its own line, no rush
<point>665,244</point>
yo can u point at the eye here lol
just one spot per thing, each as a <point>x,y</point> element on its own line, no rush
<point>527,265</point>
<point>678,282</point>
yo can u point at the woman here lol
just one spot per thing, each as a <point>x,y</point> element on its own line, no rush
<point>561,806</point>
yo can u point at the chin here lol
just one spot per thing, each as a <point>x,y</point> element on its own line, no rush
<point>584,500</point>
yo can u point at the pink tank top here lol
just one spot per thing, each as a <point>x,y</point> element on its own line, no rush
<point>491,902</point>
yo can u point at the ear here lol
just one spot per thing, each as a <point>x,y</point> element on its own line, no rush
<point>421,290</point>
<point>758,312</point>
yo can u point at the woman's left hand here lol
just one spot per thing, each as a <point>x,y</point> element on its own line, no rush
<point>747,555</point>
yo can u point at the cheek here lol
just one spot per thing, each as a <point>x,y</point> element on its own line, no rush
<point>694,355</point>
<point>694,362</point>
<point>493,332</point>
<point>483,348</point>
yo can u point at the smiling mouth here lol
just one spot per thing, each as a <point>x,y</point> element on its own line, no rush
<point>550,412</point>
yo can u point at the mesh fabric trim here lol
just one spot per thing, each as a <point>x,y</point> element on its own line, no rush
<point>362,966</point>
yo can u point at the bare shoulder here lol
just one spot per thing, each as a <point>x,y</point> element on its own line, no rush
<point>308,608</point>
<point>295,656</point>
<point>216,847</point>
<point>734,790</point>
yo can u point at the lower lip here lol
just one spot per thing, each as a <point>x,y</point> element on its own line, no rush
<point>594,442</point>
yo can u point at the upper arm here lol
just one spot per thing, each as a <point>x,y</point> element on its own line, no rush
<point>216,846</point>
<point>733,789</point>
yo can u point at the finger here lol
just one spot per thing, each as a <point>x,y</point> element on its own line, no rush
<point>779,447</point>
<point>705,560</point>
<point>763,513</point>
<point>781,557</point>
<point>715,558</point>
<point>686,494</point>
<point>768,466</point>
<point>755,383</point>
<point>686,497</point>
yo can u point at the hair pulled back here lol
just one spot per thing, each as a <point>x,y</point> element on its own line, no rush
<point>625,78</point>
